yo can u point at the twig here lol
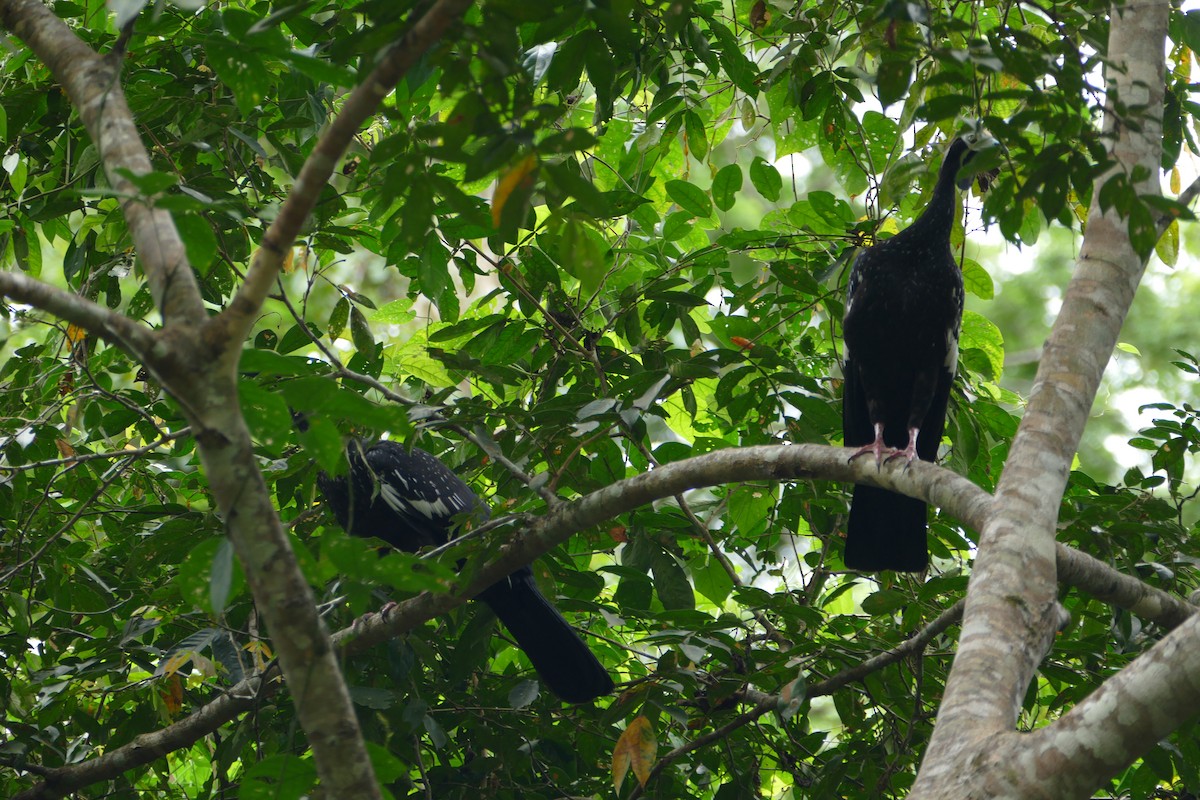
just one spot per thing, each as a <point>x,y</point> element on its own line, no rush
<point>50,540</point>
<point>764,703</point>
<point>169,437</point>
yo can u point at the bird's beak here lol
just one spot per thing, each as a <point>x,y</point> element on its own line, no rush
<point>985,156</point>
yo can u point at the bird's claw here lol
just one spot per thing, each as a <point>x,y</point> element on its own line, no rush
<point>908,454</point>
<point>876,448</point>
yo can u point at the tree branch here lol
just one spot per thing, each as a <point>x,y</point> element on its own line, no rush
<point>765,703</point>
<point>134,338</point>
<point>1120,590</point>
<point>92,83</point>
<point>1012,610</point>
<point>361,104</point>
<point>1081,752</point>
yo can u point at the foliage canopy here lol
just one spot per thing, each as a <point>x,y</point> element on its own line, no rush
<point>596,238</point>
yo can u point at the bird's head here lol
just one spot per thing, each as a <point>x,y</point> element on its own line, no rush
<point>963,151</point>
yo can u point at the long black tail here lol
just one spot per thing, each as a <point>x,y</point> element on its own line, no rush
<point>885,531</point>
<point>558,654</point>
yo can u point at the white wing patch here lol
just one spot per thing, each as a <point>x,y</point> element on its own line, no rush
<point>952,349</point>
<point>440,509</point>
<point>435,510</point>
<point>953,332</point>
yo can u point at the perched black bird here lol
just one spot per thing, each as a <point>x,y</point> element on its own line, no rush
<point>903,312</point>
<point>411,500</point>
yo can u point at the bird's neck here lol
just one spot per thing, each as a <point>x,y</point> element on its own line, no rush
<point>938,217</point>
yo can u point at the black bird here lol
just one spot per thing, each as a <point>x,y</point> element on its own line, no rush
<point>410,500</point>
<point>903,313</point>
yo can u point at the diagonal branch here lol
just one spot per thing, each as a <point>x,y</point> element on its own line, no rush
<point>1012,608</point>
<point>361,104</point>
<point>765,703</point>
<point>93,85</point>
<point>116,329</point>
<point>1156,694</point>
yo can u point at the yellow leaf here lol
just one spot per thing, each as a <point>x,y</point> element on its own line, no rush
<point>171,693</point>
<point>261,652</point>
<point>1168,246</point>
<point>173,664</point>
<point>636,748</point>
<point>1176,181</point>
<point>518,175</point>
<point>300,258</point>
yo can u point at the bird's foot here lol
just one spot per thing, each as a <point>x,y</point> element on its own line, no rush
<point>876,448</point>
<point>908,453</point>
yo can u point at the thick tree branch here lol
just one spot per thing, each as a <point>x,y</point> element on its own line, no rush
<point>92,83</point>
<point>1081,752</point>
<point>761,463</point>
<point>1120,590</point>
<point>1011,609</point>
<point>116,329</point>
<point>361,104</point>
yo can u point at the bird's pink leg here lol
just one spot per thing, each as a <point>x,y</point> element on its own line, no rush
<point>910,452</point>
<point>877,447</point>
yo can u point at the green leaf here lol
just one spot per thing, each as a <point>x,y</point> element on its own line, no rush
<point>712,581</point>
<point>697,136</point>
<point>323,398</point>
<point>1126,347</point>
<point>582,256</point>
<point>198,240</point>
<point>360,334</point>
<point>196,578</point>
<point>322,441</point>
<point>766,179</point>
<point>726,185</point>
<point>882,135</point>
<point>276,777</point>
<point>223,573</point>
<point>749,507</point>
<point>408,572</point>
<point>976,280</point>
<point>690,198</point>
<point>1167,247</point>
<point>892,80</point>
<point>885,601</point>
<point>434,268</point>
<point>338,318</point>
<point>267,416</point>
<point>671,582</point>
<point>28,249</point>
<point>524,693</point>
<point>980,333</point>
<point>397,312</point>
<point>150,183</point>
<point>242,71</point>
